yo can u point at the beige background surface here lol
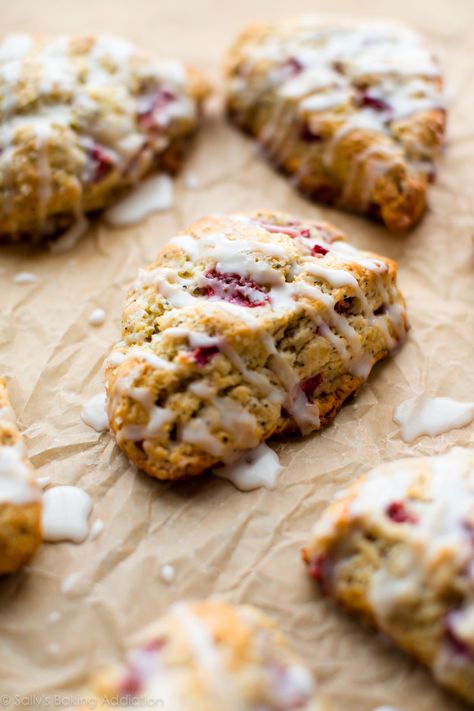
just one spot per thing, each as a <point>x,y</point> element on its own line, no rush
<point>242,546</point>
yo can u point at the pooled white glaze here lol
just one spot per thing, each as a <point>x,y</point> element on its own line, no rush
<point>65,514</point>
<point>25,278</point>
<point>94,412</point>
<point>424,415</point>
<point>154,194</point>
<point>97,317</point>
<point>256,468</point>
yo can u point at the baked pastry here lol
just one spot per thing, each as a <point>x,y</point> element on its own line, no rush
<point>83,118</point>
<point>351,110</point>
<point>244,327</point>
<point>211,655</point>
<point>398,548</point>
<point>20,497</point>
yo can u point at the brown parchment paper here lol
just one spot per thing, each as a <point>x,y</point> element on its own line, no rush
<point>242,546</point>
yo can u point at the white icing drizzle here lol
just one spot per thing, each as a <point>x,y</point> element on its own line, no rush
<point>97,317</point>
<point>94,413</point>
<point>17,485</point>
<point>154,194</point>
<point>217,679</point>
<point>256,468</point>
<point>424,415</point>
<point>71,237</point>
<point>65,514</point>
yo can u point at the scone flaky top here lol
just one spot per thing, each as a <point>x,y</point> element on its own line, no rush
<point>82,118</point>
<point>243,327</point>
<point>341,104</point>
<point>398,547</point>
<point>209,656</point>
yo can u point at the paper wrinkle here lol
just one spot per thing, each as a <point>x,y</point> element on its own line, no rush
<point>243,547</point>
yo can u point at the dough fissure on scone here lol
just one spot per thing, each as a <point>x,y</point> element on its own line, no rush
<point>20,496</point>
<point>208,656</point>
<point>352,111</point>
<point>245,327</point>
<point>83,119</point>
<point>398,549</point>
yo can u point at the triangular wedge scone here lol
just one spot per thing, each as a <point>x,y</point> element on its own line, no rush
<point>245,326</point>
<point>398,548</point>
<point>211,656</point>
<point>82,120</point>
<point>20,496</point>
<point>351,110</point>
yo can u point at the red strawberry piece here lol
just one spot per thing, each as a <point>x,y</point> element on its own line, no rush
<point>321,569</point>
<point>235,289</point>
<point>457,646</point>
<point>309,385</point>
<point>308,135</point>
<point>397,512</point>
<point>319,249</point>
<point>203,354</point>
<point>102,162</point>
<point>373,102</point>
<point>153,104</point>
<point>291,69</point>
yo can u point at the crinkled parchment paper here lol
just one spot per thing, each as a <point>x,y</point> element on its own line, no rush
<point>242,546</point>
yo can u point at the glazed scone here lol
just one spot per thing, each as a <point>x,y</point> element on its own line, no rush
<point>352,110</point>
<point>245,326</point>
<point>398,548</point>
<point>20,497</point>
<point>83,119</point>
<point>210,656</point>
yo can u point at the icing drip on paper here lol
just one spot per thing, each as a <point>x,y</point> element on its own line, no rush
<point>168,573</point>
<point>94,413</point>
<point>256,468</point>
<point>97,317</point>
<point>25,278</point>
<point>431,416</point>
<point>65,514</point>
<point>154,194</point>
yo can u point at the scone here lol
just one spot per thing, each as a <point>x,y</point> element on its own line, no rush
<point>83,119</point>
<point>351,110</point>
<point>20,497</point>
<point>398,548</point>
<point>211,656</point>
<point>243,327</point>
